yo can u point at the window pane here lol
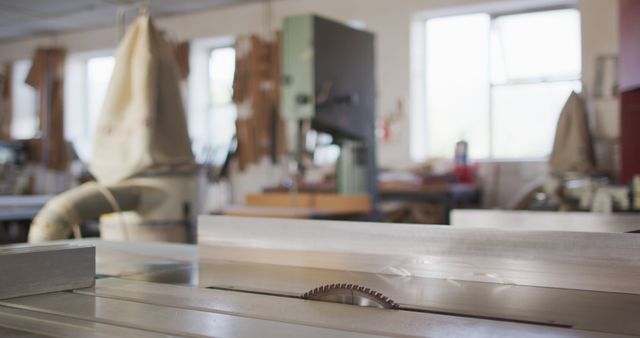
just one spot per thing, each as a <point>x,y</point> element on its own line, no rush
<point>222,64</point>
<point>211,139</point>
<point>536,45</point>
<point>525,118</point>
<point>223,125</point>
<point>457,93</point>
<point>25,103</point>
<point>213,126</point>
<point>99,71</point>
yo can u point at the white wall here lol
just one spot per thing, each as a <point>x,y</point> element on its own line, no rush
<point>389,20</point>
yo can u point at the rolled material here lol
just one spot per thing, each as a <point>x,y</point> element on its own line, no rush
<point>88,201</point>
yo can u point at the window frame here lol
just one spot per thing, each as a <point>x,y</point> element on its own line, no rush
<point>418,85</point>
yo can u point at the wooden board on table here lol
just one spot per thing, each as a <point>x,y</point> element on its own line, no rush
<point>439,187</point>
<point>320,202</point>
<point>271,212</point>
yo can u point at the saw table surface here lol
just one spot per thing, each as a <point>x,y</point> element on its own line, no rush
<point>160,289</point>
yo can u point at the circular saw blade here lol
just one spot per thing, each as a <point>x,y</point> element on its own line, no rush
<point>350,294</point>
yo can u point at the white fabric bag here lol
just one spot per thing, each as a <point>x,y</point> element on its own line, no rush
<point>142,126</point>
<point>572,147</point>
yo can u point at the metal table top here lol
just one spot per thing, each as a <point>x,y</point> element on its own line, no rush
<point>154,289</point>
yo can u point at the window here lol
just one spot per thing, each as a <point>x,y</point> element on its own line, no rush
<point>86,80</point>
<point>212,114</point>
<point>222,63</point>
<point>25,123</point>
<point>498,82</point>
<point>99,71</point>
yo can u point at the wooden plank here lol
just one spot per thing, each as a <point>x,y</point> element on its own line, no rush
<point>437,187</point>
<point>535,258</point>
<point>342,203</point>
<point>279,200</point>
<point>29,270</point>
<point>331,203</point>
<point>270,212</point>
<point>545,220</point>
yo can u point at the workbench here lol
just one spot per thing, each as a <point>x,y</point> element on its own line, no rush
<point>21,207</point>
<point>16,214</point>
<point>447,195</point>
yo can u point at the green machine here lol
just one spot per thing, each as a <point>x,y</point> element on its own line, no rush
<point>329,86</point>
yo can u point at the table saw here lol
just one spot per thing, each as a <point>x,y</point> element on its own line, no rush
<point>252,277</point>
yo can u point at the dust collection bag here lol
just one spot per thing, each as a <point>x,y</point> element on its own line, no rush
<point>572,147</point>
<point>142,126</point>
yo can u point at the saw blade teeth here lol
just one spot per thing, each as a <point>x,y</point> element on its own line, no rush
<point>378,296</point>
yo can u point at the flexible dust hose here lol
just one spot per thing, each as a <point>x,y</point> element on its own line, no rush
<point>88,201</point>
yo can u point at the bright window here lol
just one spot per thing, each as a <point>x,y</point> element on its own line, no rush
<point>87,77</point>
<point>222,127</point>
<point>212,127</point>
<point>498,82</point>
<point>222,64</point>
<point>25,123</point>
<point>99,71</point>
